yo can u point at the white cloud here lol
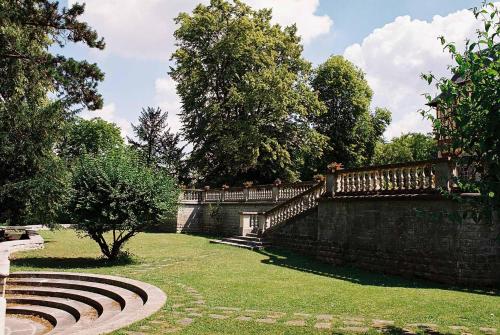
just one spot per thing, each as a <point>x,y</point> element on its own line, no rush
<point>167,98</point>
<point>301,12</point>
<point>394,56</point>
<point>108,113</point>
<point>144,28</point>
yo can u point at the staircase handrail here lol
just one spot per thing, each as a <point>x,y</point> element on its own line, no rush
<point>293,206</point>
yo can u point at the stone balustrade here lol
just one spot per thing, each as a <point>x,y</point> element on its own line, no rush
<point>259,222</point>
<point>261,193</point>
<point>405,178</point>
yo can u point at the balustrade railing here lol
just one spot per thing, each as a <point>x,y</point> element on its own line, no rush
<point>405,178</point>
<point>191,195</point>
<point>261,193</point>
<point>290,191</point>
<point>292,207</point>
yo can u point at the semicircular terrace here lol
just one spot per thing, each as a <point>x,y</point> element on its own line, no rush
<point>73,303</point>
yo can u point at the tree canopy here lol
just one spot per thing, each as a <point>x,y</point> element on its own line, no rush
<point>93,136</point>
<point>469,104</point>
<point>406,148</point>
<point>348,123</point>
<point>245,96</point>
<point>30,121</point>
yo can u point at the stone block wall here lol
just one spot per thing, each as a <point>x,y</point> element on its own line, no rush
<point>410,236</point>
<point>298,234</point>
<point>196,218</point>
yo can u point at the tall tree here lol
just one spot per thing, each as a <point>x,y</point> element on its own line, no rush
<point>406,148</point>
<point>157,145</point>
<point>30,122</point>
<point>469,104</point>
<point>245,95</point>
<point>93,136</point>
<point>352,130</point>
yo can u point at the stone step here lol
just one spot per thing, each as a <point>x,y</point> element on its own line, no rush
<point>104,306</point>
<point>244,241</point>
<point>75,308</point>
<point>239,245</point>
<point>58,318</point>
<point>127,300</point>
<point>250,238</point>
<point>81,304</point>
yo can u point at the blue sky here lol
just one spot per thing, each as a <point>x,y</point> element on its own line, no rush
<point>393,41</point>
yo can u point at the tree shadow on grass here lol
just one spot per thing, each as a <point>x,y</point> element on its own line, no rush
<point>294,261</point>
<point>70,263</point>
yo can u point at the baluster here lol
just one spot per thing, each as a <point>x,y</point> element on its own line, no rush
<point>425,181</point>
<point>370,181</point>
<point>393,179</point>
<point>407,177</point>
<point>432,177</point>
<point>402,183</point>
<point>418,182</point>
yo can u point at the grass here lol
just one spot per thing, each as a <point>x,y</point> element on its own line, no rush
<point>263,281</point>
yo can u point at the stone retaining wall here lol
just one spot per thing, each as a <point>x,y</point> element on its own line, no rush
<point>411,236</point>
<point>196,218</point>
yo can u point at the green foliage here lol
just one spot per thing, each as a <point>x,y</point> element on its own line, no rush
<point>471,101</point>
<point>406,148</point>
<point>93,136</point>
<point>156,144</point>
<point>245,95</point>
<point>114,192</point>
<point>352,130</point>
<point>217,215</point>
<point>31,123</point>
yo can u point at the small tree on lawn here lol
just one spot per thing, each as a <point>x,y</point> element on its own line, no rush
<point>115,196</point>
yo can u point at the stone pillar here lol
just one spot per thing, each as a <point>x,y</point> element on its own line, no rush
<point>262,223</point>
<point>444,172</point>
<point>276,190</point>
<point>245,224</point>
<point>331,178</point>
<point>204,194</point>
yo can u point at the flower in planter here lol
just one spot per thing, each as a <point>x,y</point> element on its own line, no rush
<point>248,184</point>
<point>334,166</point>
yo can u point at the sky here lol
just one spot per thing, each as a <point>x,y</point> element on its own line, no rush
<point>392,41</point>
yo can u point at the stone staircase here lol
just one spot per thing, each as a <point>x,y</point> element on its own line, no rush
<point>250,241</point>
<point>77,304</point>
<point>276,216</point>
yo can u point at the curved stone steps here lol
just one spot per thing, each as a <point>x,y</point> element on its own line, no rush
<point>91,299</point>
<point>58,318</point>
<point>82,304</point>
<point>75,308</point>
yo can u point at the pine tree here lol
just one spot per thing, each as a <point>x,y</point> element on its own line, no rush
<point>156,143</point>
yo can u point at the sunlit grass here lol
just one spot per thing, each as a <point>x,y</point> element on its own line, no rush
<point>264,281</point>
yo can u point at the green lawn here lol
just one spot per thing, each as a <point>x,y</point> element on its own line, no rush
<point>264,282</point>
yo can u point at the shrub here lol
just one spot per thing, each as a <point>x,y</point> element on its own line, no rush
<point>115,193</point>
